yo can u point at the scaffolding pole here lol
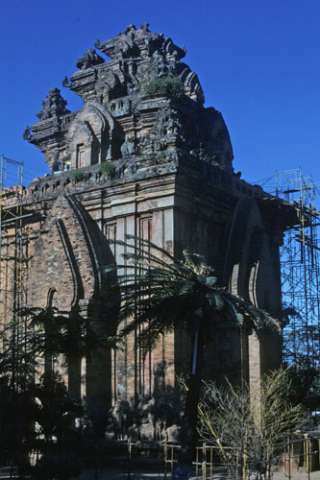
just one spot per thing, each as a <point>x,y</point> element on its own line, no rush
<point>12,256</point>
<point>300,269</point>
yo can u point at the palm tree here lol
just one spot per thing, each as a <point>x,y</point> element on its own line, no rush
<point>161,293</point>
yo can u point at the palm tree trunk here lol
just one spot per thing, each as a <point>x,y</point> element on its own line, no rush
<point>189,434</point>
<point>48,358</point>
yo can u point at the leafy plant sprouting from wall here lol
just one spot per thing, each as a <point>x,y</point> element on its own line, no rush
<point>166,86</point>
<point>108,169</point>
<point>77,175</point>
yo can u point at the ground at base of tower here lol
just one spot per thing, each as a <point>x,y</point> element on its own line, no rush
<point>117,473</point>
<point>219,474</point>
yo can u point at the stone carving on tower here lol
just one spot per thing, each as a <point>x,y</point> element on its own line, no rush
<point>144,101</point>
<point>53,106</point>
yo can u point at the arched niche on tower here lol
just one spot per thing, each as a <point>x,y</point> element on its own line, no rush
<point>85,147</point>
<point>91,136</point>
<point>251,268</point>
<point>252,271</point>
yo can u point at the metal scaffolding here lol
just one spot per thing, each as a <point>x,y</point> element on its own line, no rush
<point>12,252</point>
<point>300,268</point>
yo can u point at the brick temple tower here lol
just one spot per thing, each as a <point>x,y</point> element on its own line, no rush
<point>143,156</point>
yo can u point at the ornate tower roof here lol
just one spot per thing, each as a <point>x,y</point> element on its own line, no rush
<point>145,104</point>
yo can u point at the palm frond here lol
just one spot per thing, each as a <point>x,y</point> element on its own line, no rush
<point>159,293</point>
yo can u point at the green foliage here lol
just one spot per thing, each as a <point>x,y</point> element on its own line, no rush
<point>33,343</point>
<point>56,441</point>
<point>77,175</point>
<point>249,426</point>
<point>59,437</point>
<point>44,335</point>
<point>108,169</point>
<point>16,424</point>
<point>166,86</point>
<point>39,434</point>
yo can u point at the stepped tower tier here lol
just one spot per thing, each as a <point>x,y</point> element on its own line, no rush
<point>143,102</point>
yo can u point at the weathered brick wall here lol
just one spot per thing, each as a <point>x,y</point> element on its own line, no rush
<point>175,217</point>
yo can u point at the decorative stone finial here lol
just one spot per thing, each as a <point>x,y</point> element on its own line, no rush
<point>89,59</point>
<point>134,43</point>
<point>65,82</point>
<point>53,106</point>
<point>129,28</point>
<point>145,26</point>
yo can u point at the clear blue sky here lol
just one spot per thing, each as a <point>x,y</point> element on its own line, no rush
<point>258,62</point>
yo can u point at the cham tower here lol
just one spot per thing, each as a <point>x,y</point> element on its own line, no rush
<point>143,156</point>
